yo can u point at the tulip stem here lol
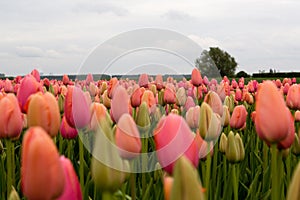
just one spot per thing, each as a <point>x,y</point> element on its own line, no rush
<point>144,161</point>
<point>274,187</point>
<point>208,165</point>
<point>9,149</point>
<point>132,184</point>
<point>235,183</point>
<point>81,163</point>
<point>107,196</point>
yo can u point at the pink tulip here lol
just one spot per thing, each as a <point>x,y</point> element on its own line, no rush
<point>238,117</point>
<point>72,187</point>
<point>272,119</point>
<point>128,137</point>
<point>288,141</point>
<point>173,138</point>
<point>196,77</point>
<point>42,175</point>
<point>143,80</point>
<point>189,103</point>
<point>238,95</point>
<point>169,96</point>
<point>286,88</point>
<point>192,117</point>
<point>28,86</point>
<point>213,99</point>
<point>113,83</point>
<point>293,97</point>
<point>89,79</point>
<point>36,74</point>
<point>76,108</point>
<point>8,87</point>
<point>11,117</point>
<point>119,103</point>
<point>159,82</point>
<point>66,130</point>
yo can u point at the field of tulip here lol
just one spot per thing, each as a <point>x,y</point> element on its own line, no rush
<point>149,139</point>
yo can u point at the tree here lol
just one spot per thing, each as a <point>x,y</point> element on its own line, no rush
<point>223,62</point>
<point>242,74</point>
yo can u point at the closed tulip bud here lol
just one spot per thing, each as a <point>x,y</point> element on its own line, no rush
<point>159,82</point>
<point>107,167</point>
<point>238,117</point>
<point>192,117</point>
<point>175,111</point>
<point>213,99</point>
<point>28,86</point>
<point>149,98</point>
<point>289,139</point>
<point>40,166</point>
<point>169,96</point>
<point>65,79</point>
<point>99,115</point>
<point>226,116</point>
<point>296,145</point>
<point>11,117</point>
<point>77,110</point>
<point>143,80</point>
<point>61,103</point>
<point>127,137</point>
<point>272,120</point>
<point>189,103</point>
<point>158,173</point>
<point>181,96</point>
<point>143,118</point>
<point>186,185</point>
<point>93,89</point>
<point>241,147</point>
<point>160,97</point>
<point>297,116</point>
<point>293,96</point>
<point>229,102</point>
<point>14,195</point>
<point>103,87</point>
<point>153,89</point>
<point>238,95</point>
<point>223,143</point>
<point>136,97</point>
<point>113,83</point>
<point>293,190</point>
<point>173,138</point>
<point>196,78</point>
<point>168,183</point>
<point>8,87</point>
<point>249,98</point>
<point>66,130</point>
<point>232,151</point>
<point>72,187</point>
<point>209,123</point>
<point>106,100</point>
<point>36,74</point>
<point>89,79</point>
<point>43,111</point>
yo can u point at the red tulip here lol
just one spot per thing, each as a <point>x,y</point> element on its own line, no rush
<point>293,97</point>
<point>136,97</point>
<point>11,117</point>
<point>128,137</point>
<point>173,138</point>
<point>196,78</point>
<point>28,86</point>
<point>65,79</point>
<point>238,117</point>
<point>77,110</point>
<point>42,175</point>
<point>272,119</point>
<point>66,130</point>
<point>72,187</point>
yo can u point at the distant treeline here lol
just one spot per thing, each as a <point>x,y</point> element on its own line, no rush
<point>277,74</point>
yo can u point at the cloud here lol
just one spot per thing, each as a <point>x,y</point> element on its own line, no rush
<point>176,15</point>
<point>29,51</point>
<point>101,8</point>
<point>205,42</point>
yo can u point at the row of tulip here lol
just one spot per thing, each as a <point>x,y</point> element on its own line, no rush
<point>151,139</point>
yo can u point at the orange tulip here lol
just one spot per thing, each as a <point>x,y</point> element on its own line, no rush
<point>293,97</point>
<point>113,82</point>
<point>238,117</point>
<point>297,116</point>
<point>168,183</point>
<point>196,78</point>
<point>11,117</point>
<point>43,111</point>
<point>136,97</point>
<point>98,112</point>
<point>288,141</point>
<point>128,137</point>
<point>149,98</point>
<point>65,79</point>
<point>42,175</point>
<point>272,120</point>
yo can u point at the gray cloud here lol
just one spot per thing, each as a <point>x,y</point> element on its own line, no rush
<point>101,8</point>
<point>176,15</point>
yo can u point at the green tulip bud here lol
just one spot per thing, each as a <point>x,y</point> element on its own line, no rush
<point>161,97</point>
<point>296,146</point>
<point>294,192</point>
<point>187,183</point>
<point>241,147</point>
<point>13,195</point>
<point>232,150</point>
<point>143,118</point>
<point>61,103</point>
<point>229,102</point>
<point>223,143</point>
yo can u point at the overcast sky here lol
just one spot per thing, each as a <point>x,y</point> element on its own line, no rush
<point>57,36</point>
